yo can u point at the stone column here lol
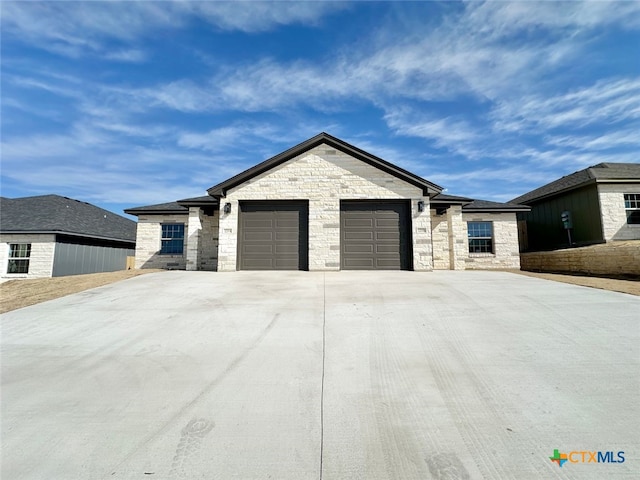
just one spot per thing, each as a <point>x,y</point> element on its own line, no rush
<point>194,231</point>
<point>457,234</point>
<point>421,226</point>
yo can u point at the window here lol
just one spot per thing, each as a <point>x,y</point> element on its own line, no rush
<point>19,254</point>
<point>632,207</point>
<point>480,237</point>
<point>172,239</point>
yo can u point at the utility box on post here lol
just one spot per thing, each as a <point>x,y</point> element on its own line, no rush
<point>567,223</point>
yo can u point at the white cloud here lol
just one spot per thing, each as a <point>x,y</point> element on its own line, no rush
<point>132,55</point>
<point>608,101</point>
<point>77,28</point>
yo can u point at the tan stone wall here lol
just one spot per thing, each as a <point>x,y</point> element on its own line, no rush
<point>614,218</point>
<point>209,242</point>
<point>324,176</point>
<point>505,237</point>
<point>615,258</point>
<point>148,242</point>
<point>440,241</point>
<point>41,260</point>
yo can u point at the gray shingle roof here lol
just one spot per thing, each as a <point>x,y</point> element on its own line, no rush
<point>488,206</point>
<point>54,213</point>
<point>170,207</point>
<point>597,173</point>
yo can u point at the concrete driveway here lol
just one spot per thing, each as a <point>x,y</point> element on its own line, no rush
<point>346,375</point>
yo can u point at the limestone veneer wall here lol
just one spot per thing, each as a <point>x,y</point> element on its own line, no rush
<point>43,248</point>
<point>614,258</point>
<point>148,242</point>
<point>209,242</point>
<point>614,217</point>
<point>505,237</point>
<point>440,241</point>
<point>324,176</point>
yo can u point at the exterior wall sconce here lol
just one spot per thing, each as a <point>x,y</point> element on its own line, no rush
<point>227,207</point>
<point>420,206</point>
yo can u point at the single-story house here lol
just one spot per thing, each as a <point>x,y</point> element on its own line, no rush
<point>327,205</point>
<point>53,236</point>
<point>599,203</point>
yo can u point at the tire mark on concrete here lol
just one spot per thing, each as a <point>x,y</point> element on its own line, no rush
<point>206,390</point>
<point>483,402</point>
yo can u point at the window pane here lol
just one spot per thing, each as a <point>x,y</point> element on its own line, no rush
<point>19,250</point>
<point>633,217</point>
<point>18,266</point>
<point>172,239</point>
<point>632,200</point>
<point>480,237</point>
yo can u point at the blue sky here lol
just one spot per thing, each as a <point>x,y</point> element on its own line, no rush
<point>124,104</point>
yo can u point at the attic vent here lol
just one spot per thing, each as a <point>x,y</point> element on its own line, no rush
<point>330,152</point>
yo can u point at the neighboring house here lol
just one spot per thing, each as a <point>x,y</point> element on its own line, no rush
<point>603,202</point>
<point>53,236</point>
<point>327,205</point>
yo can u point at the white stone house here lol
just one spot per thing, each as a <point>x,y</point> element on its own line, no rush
<point>53,236</point>
<point>326,205</point>
<point>603,203</point>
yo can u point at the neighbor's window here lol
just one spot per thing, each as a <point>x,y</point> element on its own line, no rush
<point>632,207</point>
<point>19,254</point>
<point>172,238</point>
<point>480,237</point>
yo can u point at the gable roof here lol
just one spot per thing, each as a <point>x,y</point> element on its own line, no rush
<point>57,214</point>
<point>600,173</point>
<point>220,190</point>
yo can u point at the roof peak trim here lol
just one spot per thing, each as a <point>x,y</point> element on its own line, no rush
<point>221,189</point>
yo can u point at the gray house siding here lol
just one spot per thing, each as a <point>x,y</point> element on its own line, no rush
<point>544,225</point>
<point>74,259</point>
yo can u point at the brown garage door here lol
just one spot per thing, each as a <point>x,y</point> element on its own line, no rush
<point>273,236</point>
<point>375,236</point>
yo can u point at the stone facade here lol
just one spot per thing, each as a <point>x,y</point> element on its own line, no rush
<point>149,242</point>
<point>448,237</point>
<point>614,258</point>
<point>614,218</point>
<point>505,239</point>
<point>325,176</point>
<point>42,253</point>
<point>440,241</point>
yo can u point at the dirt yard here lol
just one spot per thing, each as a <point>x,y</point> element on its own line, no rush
<point>16,294</point>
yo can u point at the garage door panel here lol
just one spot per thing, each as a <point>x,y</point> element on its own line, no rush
<point>291,236</point>
<point>365,235</point>
<point>283,249</point>
<point>358,263</point>
<point>387,264</point>
<point>387,236</point>
<point>273,236</point>
<point>253,221</point>
<point>375,235</point>
<point>359,248</point>
<point>389,223</point>
<point>388,248</point>
<point>355,222</point>
<point>257,236</point>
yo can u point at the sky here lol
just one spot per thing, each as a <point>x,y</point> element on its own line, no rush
<point>123,104</point>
